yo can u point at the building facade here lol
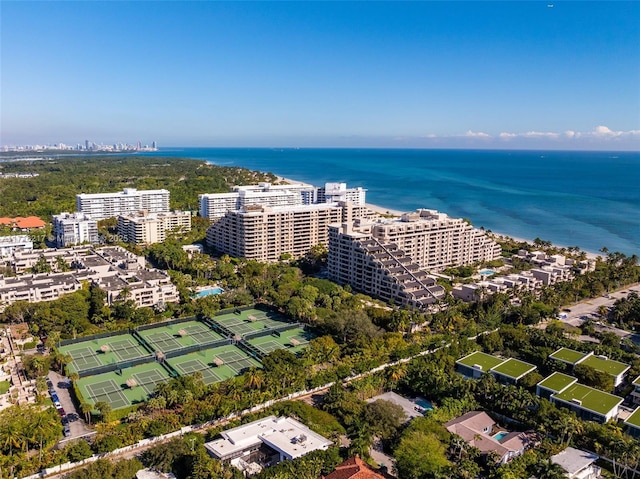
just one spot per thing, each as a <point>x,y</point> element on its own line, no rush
<point>265,233</point>
<point>74,228</point>
<point>149,228</point>
<point>99,206</point>
<point>10,244</point>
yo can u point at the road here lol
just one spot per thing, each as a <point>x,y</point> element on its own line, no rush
<point>576,312</point>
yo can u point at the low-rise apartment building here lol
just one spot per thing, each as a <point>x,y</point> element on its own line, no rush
<point>120,273</point>
<point>9,245</point>
<point>266,234</point>
<point>148,228</point>
<point>74,228</point>
<point>99,206</point>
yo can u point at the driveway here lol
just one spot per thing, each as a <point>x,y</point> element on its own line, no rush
<point>62,386</point>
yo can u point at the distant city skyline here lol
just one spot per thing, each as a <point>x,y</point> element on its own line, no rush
<point>519,75</point>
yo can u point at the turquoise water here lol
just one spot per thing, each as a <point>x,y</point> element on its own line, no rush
<point>486,272</point>
<point>500,435</point>
<point>209,292</point>
<point>587,199</point>
<point>423,403</point>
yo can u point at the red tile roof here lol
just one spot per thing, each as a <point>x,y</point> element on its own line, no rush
<point>355,468</point>
<point>23,223</point>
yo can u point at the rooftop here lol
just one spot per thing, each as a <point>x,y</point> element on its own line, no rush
<point>634,418</point>
<point>355,468</point>
<point>283,434</point>
<point>609,366</point>
<point>557,382</point>
<point>568,355</point>
<point>589,398</point>
<point>574,460</point>
<point>514,368</point>
<point>485,361</point>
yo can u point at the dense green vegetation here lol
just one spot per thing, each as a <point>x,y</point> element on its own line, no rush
<point>59,180</point>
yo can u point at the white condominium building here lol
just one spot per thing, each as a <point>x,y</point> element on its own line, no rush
<point>142,228</point>
<point>215,205</point>
<point>107,205</point>
<point>10,244</point>
<point>264,233</point>
<point>74,228</point>
<point>379,270</point>
<point>435,241</point>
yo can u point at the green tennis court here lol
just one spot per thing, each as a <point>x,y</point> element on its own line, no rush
<point>196,365</point>
<point>83,358</point>
<point>126,349</point>
<point>148,380</point>
<point>109,392</point>
<point>163,341</point>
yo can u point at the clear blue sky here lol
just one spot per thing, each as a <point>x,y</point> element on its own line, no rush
<point>418,74</point>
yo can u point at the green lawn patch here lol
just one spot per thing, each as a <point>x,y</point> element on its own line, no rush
<point>609,366</point>
<point>486,361</point>
<point>634,419</point>
<point>589,398</point>
<point>567,355</point>
<point>4,387</point>
<point>557,382</point>
<point>514,368</point>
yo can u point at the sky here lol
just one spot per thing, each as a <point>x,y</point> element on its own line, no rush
<point>449,74</point>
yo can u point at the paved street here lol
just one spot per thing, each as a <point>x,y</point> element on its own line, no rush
<point>77,425</point>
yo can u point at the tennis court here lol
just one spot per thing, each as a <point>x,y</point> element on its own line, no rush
<point>200,333</point>
<point>196,365</point>
<point>236,360</point>
<point>162,341</point>
<point>268,346</point>
<point>148,380</point>
<point>125,349</point>
<point>84,358</point>
<point>109,392</point>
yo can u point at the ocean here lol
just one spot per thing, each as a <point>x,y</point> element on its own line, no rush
<point>589,199</point>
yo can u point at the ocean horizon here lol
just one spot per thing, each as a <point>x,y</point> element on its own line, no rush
<point>589,199</point>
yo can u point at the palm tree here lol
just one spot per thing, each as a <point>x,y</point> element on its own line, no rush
<point>104,408</point>
<point>546,469</point>
<point>86,409</point>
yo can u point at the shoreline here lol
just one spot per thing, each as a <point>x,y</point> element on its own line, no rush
<point>398,213</point>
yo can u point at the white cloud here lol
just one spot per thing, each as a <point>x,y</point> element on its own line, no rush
<point>476,134</point>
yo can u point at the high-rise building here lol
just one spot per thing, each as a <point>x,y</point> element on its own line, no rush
<point>142,228</point>
<point>265,233</point>
<point>107,205</point>
<point>215,205</point>
<point>154,145</point>
<point>74,228</point>
<point>392,259</point>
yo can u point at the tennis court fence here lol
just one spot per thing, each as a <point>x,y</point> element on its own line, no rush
<point>197,347</point>
<point>83,373</point>
<point>251,350</point>
<point>88,339</point>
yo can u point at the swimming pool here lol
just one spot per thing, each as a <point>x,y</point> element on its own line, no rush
<point>424,404</point>
<point>209,292</point>
<point>499,436</point>
<point>486,272</point>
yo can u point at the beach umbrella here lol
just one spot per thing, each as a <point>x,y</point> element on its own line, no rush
<point>104,348</point>
<point>294,342</point>
<point>131,383</point>
<point>218,361</point>
<point>182,333</point>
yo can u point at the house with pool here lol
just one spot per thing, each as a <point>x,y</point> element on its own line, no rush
<point>478,430</point>
<point>506,371</point>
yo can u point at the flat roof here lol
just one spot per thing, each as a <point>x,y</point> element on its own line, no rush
<point>590,398</point>
<point>486,361</point>
<point>514,368</point>
<point>574,460</point>
<point>283,434</point>
<point>636,381</point>
<point>634,418</point>
<point>567,355</point>
<point>609,366</point>
<point>557,382</point>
